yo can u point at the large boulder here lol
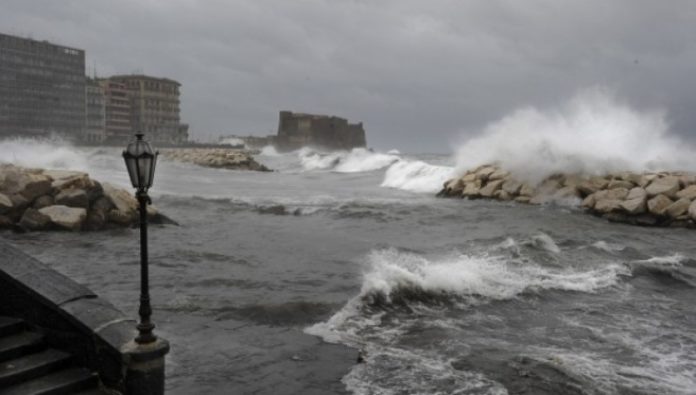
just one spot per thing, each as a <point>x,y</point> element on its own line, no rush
<point>592,185</point>
<point>607,205</point>
<point>472,189</point>
<point>667,186</point>
<point>98,214</point>
<point>659,204</point>
<point>485,172</point>
<point>5,203</point>
<point>70,218</point>
<point>72,197</point>
<point>636,201</point>
<point>498,175</point>
<point>678,208</point>
<point>491,188</point>
<point>43,201</point>
<point>613,184</point>
<point>123,201</point>
<point>34,220</point>
<point>29,185</point>
<point>688,193</point>
<point>512,187</point>
<point>692,210</point>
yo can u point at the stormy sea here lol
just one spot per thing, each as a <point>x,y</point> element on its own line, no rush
<point>279,282</point>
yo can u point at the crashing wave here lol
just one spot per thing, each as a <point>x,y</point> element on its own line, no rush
<point>355,161</point>
<point>416,176</point>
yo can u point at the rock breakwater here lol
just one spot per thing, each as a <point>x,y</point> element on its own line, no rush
<point>223,158</point>
<point>650,199</point>
<point>37,199</point>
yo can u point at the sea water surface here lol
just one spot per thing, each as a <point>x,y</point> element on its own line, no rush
<point>274,283</point>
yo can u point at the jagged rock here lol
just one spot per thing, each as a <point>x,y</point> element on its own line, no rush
<point>455,185</point>
<point>501,194</point>
<point>678,208</point>
<point>646,179</point>
<point>612,194</point>
<point>5,203</point>
<point>636,193</point>
<point>659,204</point>
<point>688,192</point>
<point>630,177</point>
<point>607,205</point>
<point>469,177</point>
<point>635,202</point>
<point>72,198</point>
<point>216,157</point>
<point>692,210</point>
<point>667,186</point>
<point>64,179</point>
<point>19,204</point>
<point>592,185</point>
<point>472,189</point>
<point>43,201</point>
<point>65,217</point>
<point>490,188</point>
<point>28,184</point>
<point>527,190</point>
<point>572,180</point>
<point>498,175</point>
<point>34,220</point>
<point>123,201</point>
<point>687,180</point>
<point>512,187</point>
<point>485,172</point>
<point>589,201</point>
<point>120,218</point>
<point>613,184</point>
<point>567,192</point>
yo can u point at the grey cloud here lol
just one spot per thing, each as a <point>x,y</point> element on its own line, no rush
<point>420,74</point>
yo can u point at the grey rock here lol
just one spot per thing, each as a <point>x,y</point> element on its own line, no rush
<point>667,186</point>
<point>34,220</point>
<point>490,188</point>
<point>659,204</point>
<point>613,184</point>
<point>512,187</point>
<point>43,201</point>
<point>5,203</point>
<point>70,218</point>
<point>678,208</point>
<point>688,192</point>
<point>72,198</point>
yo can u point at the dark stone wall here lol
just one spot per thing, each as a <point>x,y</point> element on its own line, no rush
<point>71,316</point>
<point>296,130</point>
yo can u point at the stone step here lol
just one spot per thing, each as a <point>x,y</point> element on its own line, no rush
<point>9,326</point>
<point>30,366</point>
<point>62,382</point>
<point>16,345</point>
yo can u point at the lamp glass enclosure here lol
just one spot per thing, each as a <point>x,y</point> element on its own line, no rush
<point>140,162</point>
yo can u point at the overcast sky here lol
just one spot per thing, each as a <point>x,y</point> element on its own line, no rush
<point>421,75</point>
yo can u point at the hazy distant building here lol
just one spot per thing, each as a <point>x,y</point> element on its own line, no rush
<point>42,88</point>
<point>155,107</point>
<point>296,130</point>
<point>95,107</point>
<point>118,116</point>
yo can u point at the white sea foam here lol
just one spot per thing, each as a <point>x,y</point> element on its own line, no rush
<point>46,154</point>
<point>593,133</point>
<point>545,242</point>
<point>233,141</point>
<point>269,150</point>
<point>487,276</point>
<point>416,176</point>
<point>355,161</point>
<point>673,260</point>
<point>608,247</point>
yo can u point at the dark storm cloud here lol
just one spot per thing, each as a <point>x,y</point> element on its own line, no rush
<point>420,74</point>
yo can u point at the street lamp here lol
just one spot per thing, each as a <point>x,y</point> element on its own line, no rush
<point>140,162</point>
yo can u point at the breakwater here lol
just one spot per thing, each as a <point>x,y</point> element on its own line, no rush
<point>38,199</point>
<point>649,199</point>
<point>224,158</point>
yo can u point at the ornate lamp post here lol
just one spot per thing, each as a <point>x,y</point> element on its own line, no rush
<point>140,162</point>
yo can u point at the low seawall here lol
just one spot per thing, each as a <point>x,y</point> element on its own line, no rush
<point>73,319</point>
<point>647,199</point>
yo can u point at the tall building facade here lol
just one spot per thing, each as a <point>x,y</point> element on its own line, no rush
<point>118,115</point>
<point>42,88</point>
<point>155,107</point>
<point>95,106</point>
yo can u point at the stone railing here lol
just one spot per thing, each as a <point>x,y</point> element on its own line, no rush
<point>76,320</point>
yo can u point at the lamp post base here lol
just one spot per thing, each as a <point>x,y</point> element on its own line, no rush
<point>145,367</point>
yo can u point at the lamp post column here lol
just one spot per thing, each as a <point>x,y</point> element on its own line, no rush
<point>145,326</point>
